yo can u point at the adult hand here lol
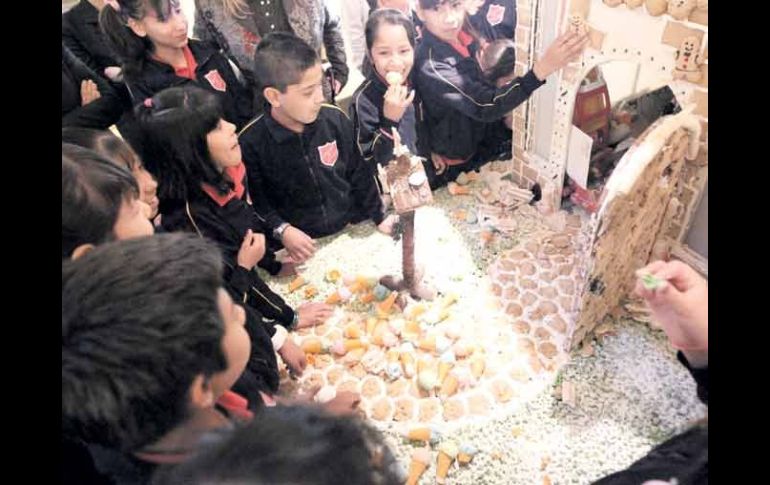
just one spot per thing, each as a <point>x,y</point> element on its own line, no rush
<point>679,303</point>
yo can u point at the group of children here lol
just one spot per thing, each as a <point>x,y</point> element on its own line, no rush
<point>169,338</point>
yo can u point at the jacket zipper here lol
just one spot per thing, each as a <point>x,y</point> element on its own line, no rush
<point>315,181</point>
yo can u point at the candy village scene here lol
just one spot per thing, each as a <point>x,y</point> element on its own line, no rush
<point>496,333</point>
<point>533,359</point>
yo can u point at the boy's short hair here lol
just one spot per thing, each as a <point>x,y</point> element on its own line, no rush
<point>292,444</point>
<point>92,192</point>
<point>281,59</point>
<point>140,320</point>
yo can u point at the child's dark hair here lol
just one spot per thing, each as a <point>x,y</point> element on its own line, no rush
<point>435,4</point>
<point>140,320</point>
<point>103,142</point>
<point>176,122</point>
<point>281,59</point>
<point>291,445</point>
<point>387,16</point>
<point>92,192</point>
<point>131,49</point>
<point>499,59</point>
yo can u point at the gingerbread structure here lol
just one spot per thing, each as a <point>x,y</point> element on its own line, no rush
<point>670,39</point>
<point>457,358</point>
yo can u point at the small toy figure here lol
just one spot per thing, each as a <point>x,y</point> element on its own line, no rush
<point>688,60</point>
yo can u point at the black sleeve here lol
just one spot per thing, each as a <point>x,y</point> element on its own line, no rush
<point>421,128</point>
<point>246,287</point>
<point>261,372</point>
<point>373,133</point>
<point>100,113</point>
<point>268,303</point>
<point>239,281</point>
<point>268,262</point>
<point>335,47</point>
<point>252,160</point>
<point>701,377</point>
<point>70,39</point>
<point>366,197</point>
<point>442,83</point>
<point>137,89</point>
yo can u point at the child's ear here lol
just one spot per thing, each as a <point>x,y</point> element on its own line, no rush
<point>137,27</point>
<point>81,250</point>
<point>201,392</point>
<point>272,96</point>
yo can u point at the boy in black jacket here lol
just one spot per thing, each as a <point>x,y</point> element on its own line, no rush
<point>462,110</point>
<point>151,344</point>
<point>306,176</point>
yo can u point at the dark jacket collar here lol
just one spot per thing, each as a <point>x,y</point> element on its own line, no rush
<point>201,51</point>
<point>280,133</point>
<point>442,50</point>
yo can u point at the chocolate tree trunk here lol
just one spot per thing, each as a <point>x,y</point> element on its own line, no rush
<point>407,243</point>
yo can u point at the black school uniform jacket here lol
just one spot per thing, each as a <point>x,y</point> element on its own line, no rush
<point>213,72</point>
<point>373,130</point>
<point>98,114</point>
<point>81,34</point>
<point>495,20</point>
<point>226,224</point>
<point>457,102</point>
<point>316,180</point>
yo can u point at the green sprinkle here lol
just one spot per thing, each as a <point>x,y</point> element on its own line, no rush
<point>651,282</point>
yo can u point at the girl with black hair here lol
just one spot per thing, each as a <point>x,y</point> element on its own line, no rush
<point>202,186</point>
<point>386,99</point>
<point>150,39</point>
